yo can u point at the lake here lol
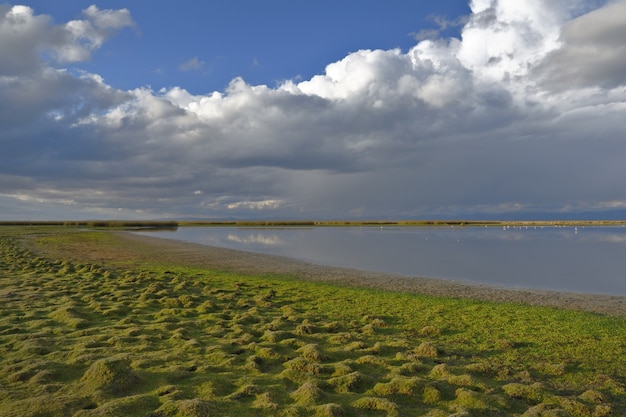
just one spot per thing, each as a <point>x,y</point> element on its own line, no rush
<point>578,259</point>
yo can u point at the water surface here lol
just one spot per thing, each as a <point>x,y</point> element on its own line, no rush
<point>582,259</point>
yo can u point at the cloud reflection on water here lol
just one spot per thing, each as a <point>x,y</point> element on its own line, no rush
<point>256,239</point>
<point>587,260</point>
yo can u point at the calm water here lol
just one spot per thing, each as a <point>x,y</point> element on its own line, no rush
<point>583,259</point>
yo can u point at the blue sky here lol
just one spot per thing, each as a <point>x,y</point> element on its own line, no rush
<point>326,109</point>
<point>201,46</point>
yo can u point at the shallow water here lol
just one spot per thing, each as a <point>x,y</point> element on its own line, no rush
<point>582,259</point>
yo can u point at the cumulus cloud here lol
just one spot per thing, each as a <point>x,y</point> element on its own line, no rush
<point>75,40</point>
<point>592,51</point>
<point>506,118</point>
<point>22,37</point>
<point>25,37</point>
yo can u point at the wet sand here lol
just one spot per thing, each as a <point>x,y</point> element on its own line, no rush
<point>197,255</point>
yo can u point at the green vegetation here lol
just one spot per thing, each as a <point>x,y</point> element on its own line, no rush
<point>123,224</point>
<point>163,340</point>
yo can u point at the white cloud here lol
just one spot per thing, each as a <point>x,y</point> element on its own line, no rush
<point>359,74</point>
<point>256,205</point>
<point>504,39</point>
<point>191,64</point>
<point>25,37</point>
<point>78,38</point>
<point>476,123</point>
<point>593,51</point>
<point>22,37</point>
<point>108,21</point>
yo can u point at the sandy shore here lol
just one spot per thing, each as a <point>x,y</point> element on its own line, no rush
<point>252,263</point>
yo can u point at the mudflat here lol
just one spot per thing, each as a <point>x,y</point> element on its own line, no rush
<point>193,254</point>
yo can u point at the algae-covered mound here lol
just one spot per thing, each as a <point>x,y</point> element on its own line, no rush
<point>110,376</point>
<point>185,408</point>
<point>125,406</point>
<point>307,394</point>
<point>171,340</point>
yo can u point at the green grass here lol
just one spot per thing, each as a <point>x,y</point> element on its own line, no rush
<point>162,339</point>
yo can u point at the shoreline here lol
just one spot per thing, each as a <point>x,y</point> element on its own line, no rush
<point>231,260</point>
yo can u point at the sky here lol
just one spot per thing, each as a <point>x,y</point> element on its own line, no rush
<point>312,110</point>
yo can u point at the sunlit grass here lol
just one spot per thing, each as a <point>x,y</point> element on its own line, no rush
<point>162,339</point>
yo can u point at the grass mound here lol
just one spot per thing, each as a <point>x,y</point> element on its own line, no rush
<point>398,386</point>
<point>352,382</point>
<point>194,407</point>
<point>427,350</point>
<point>69,316</point>
<point>138,337</point>
<point>307,394</point>
<point>311,352</point>
<point>125,406</point>
<point>378,404</point>
<point>110,376</point>
<point>329,410</point>
<point>533,392</point>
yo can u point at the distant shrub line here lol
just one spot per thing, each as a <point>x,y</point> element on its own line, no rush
<point>303,223</point>
<point>94,223</point>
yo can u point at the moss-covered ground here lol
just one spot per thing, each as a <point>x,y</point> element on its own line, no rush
<point>163,340</point>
